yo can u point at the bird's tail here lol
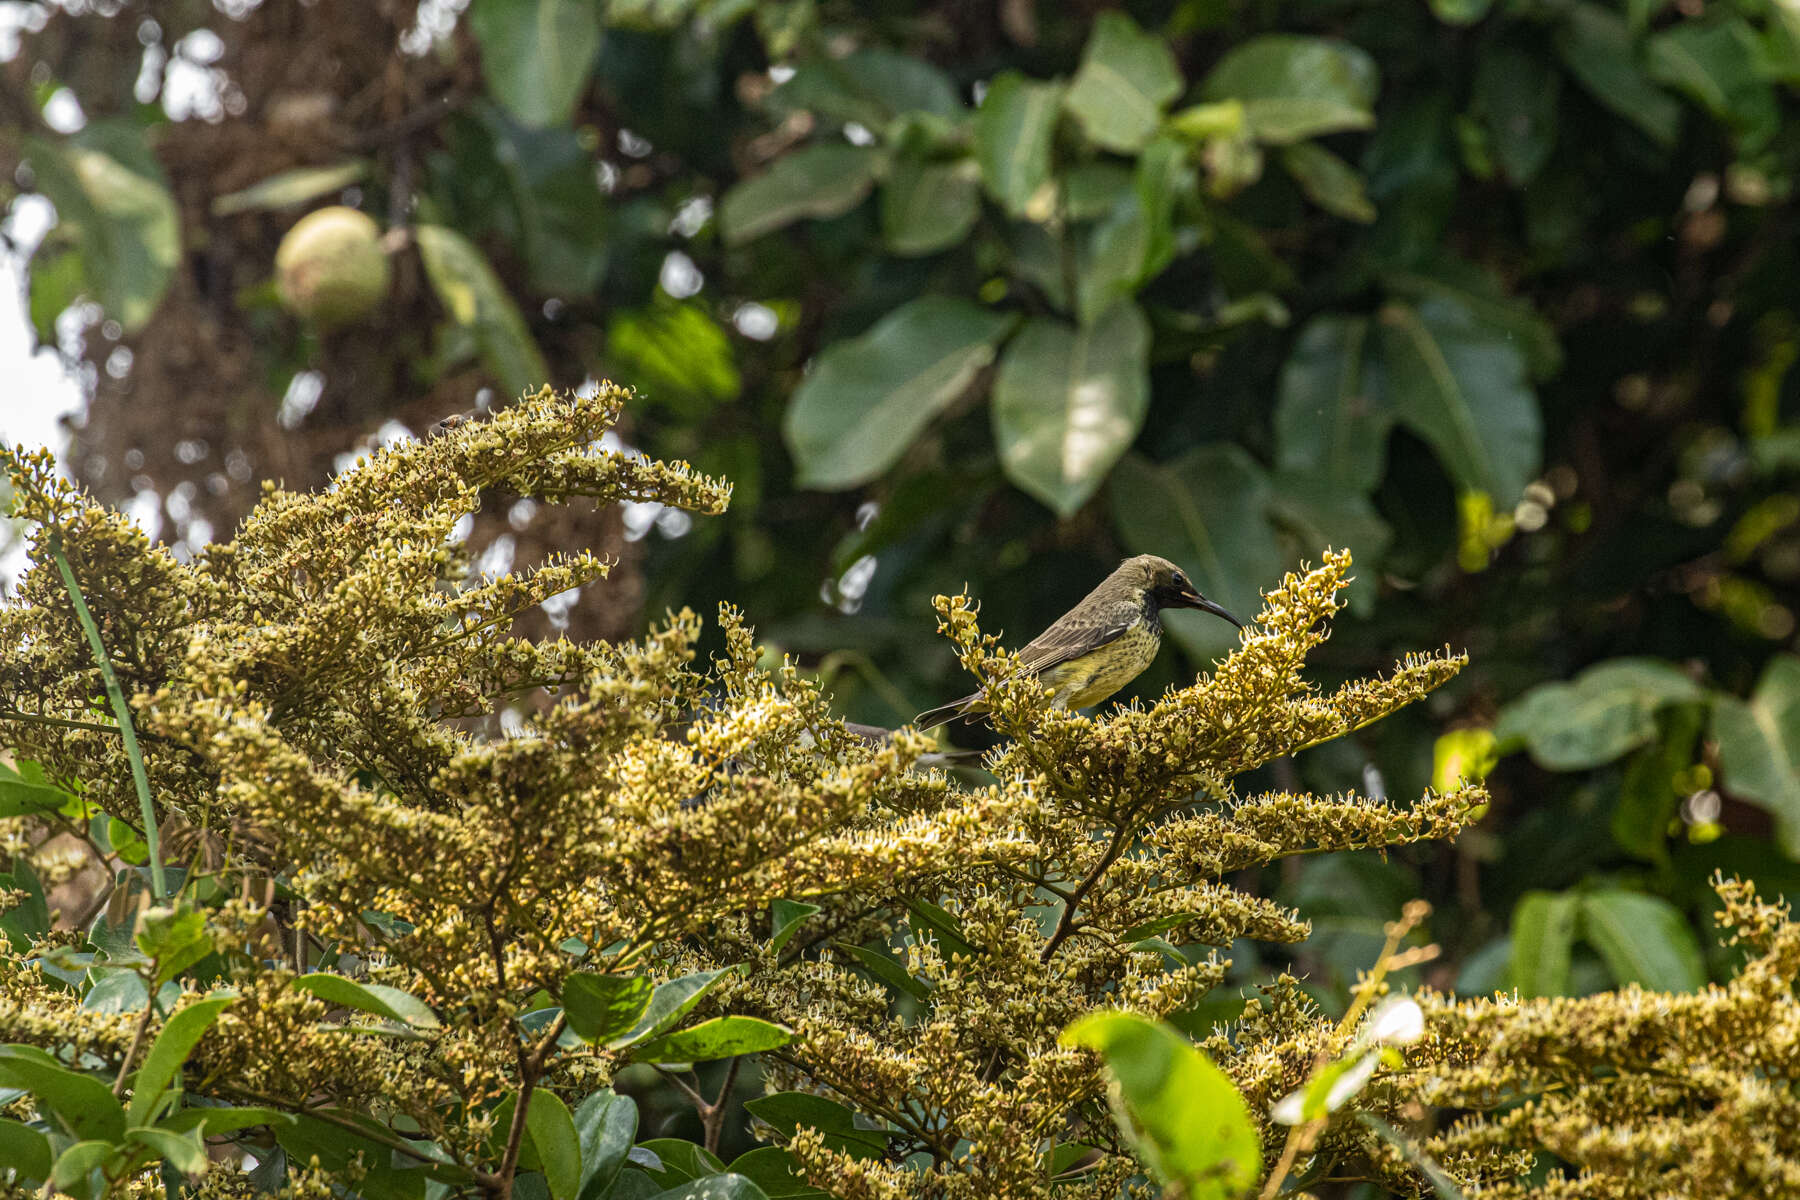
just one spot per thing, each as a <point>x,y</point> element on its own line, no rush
<point>931,718</point>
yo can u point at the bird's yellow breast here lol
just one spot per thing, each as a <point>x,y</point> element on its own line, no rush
<point>1104,670</point>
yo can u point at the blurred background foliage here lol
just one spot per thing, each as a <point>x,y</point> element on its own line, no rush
<point>1497,293</point>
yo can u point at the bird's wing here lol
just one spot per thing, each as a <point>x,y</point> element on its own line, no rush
<point>1075,634</point>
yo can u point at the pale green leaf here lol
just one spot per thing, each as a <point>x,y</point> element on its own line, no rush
<point>867,398</point>
<point>928,206</point>
<point>1543,940</point>
<point>162,1065</point>
<point>536,54</point>
<point>825,180</point>
<point>1295,87</point>
<point>376,998</point>
<point>1014,129</point>
<point>1068,401</point>
<point>478,302</point>
<point>1759,746</point>
<point>1644,940</point>
<point>290,189</point>
<point>1328,181</point>
<point>1126,78</point>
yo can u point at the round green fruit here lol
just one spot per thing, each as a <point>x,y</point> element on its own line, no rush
<point>330,269</point>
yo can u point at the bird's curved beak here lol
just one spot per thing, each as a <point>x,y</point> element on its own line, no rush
<point>1189,598</point>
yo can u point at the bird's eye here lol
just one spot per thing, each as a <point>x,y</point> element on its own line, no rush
<point>1179,580</point>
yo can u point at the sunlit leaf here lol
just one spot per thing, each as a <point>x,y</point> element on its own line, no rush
<point>1014,129</point>
<point>1126,78</point>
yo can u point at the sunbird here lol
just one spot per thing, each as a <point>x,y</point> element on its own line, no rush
<point>1101,644</point>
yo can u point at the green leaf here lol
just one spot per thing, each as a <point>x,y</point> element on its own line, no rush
<point>536,54</point>
<point>926,917</point>
<point>676,355</point>
<point>1126,78</point>
<point>1294,87</point>
<point>30,919</point>
<point>18,797</point>
<point>113,205</point>
<point>1644,940</point>
<point>478,303</point>
<point>376,998</point>
<point>867,398</point>
<point>77,1106</point>
<point>1543,939</point>
<point>1461,387</point>
<point>788,1111</point>
<point>1069,401</point>
<point>1328,181</point>
<point>785,919</point>
<point>601,1007</point>
<point>682,1161</point>
<point>551,1131</point>
<point>721,1037</point>
<point>550,191</point>
<point>162,1065</point>
<point>824,180</point>
<point>1135,237</point>
<point>669,1003</point>
<point>216,1122</point>
<point>1648,793</point>
<point>1460,12</point>
<point>776,1172</point>
<point>185,1152</point>
<point>1597,48</point>
<point>715,1187</point>
<point>74,1165</point>
<point>1316,515</point>
<point>1207,511</point>
<point>1759,746</point>
<point>887,970</point>
<point>1609,709</point>
<point>1183,1116</point>
<point>1014,129</point>
<point>1515,97</point>
<point>1443,275</point>
<point>605,1123</point>
<point>57,277</point>
<point>870,87</point>
<point>928,206</point>
<point>1461,756</point>
<point>1331,413</point>
<point>25,1150</point>
<point>290,189</point>
<point>1716,65</point>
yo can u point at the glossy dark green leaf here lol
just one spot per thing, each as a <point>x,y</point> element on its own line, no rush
<point>785,920</point>
<point>78,1106</point>
<point>1598,50</point>
<point>601,1007</point>
<point>1461,386</point>
<point>867,398</point>
<point>1014,129</point>
<point>25,1150</point>
<point>113,205</point>
<point>1543,939</point>
<point>1515,97</point>
<point>1443,275</point>
<point>605,1124</point>
<point>776,1172</point>
<point>1126,79</point>
<point>928,206</point>
<point>1644,940</point>
<point>824,180</point>
<point>1331,412</point>
<point>376,998</point>
<point>1717,65</point>
<point>536,54</point>
<point>17,797</point>
<point>479,303</point>
<point>1608,710</point>
<point>549,196</point>
<point>721,1037</point>
<point>161,1070</point>
<point>552,1133</point>
<point>788,1111</point>
<point>1295,87</point>
<point>726,1186</point>
<point>1182,1115</point>
<point>681,1162</point>
<point>887,970</point>
<point>669,1003</point>
<point>1328,181</point>
<point>1068,401</point>
<point>1206,510</point>
<point>1759,746</point>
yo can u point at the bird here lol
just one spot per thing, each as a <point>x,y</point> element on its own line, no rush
<point>1101,644</point>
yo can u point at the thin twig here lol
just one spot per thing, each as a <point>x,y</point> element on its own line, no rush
<point>137,1038</point>
<point>712,1116</point>
<point>1066,925</point>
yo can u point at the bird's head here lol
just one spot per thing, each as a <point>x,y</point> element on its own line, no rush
<point>1167,586</point>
